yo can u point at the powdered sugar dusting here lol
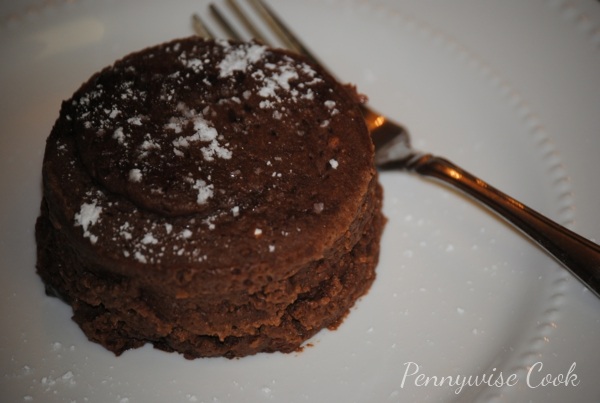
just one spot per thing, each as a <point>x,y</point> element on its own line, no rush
<point>88,215</point>
<point>203,132</point>
<point>205,191</point>
<point>274,84</point>
<point>238,58</point>
<point>135,175</point>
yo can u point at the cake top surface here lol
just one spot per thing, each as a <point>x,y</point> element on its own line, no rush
<point>175,129</point>
<point>194,148</point>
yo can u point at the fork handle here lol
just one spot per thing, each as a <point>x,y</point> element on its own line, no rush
<point>576,253</point>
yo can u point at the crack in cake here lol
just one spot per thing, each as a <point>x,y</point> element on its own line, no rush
<point>213,198</point>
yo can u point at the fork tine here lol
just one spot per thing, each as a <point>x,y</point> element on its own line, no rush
<point>224,23</point>
<point>251,27</point>
<point>270,18</point>
<point>200,27</point>
<point>281,29</point>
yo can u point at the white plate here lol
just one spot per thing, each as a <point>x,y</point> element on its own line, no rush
<point>509,91</point>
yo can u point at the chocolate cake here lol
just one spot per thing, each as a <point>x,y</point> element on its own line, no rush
<point>212,198</point>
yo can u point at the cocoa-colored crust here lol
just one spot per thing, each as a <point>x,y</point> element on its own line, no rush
<point>211,198</point>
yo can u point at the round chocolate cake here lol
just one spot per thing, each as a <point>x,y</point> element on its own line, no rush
<point>213,198</point>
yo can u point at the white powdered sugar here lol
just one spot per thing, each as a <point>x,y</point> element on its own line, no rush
<point>215,150</point>
<point>119,135</point>
<point>124,231</point>
<point>238,59</point>
<point>88,215</point>
<point>140,257</point>
<point>318,208</point>
<point>135,120</point>
<point>149,239</point>
<point>203,132</point>
<point>191,63</point>
<point>330,104</point>
<point>280,78</point>
<point>135,175</point>
<point>275,84</point>
<point>205,191</point>
<point>148,145</point>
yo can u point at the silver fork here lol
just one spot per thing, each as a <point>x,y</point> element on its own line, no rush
<point>393,151</point>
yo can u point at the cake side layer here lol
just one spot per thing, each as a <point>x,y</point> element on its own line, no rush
<point>117,313</point>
